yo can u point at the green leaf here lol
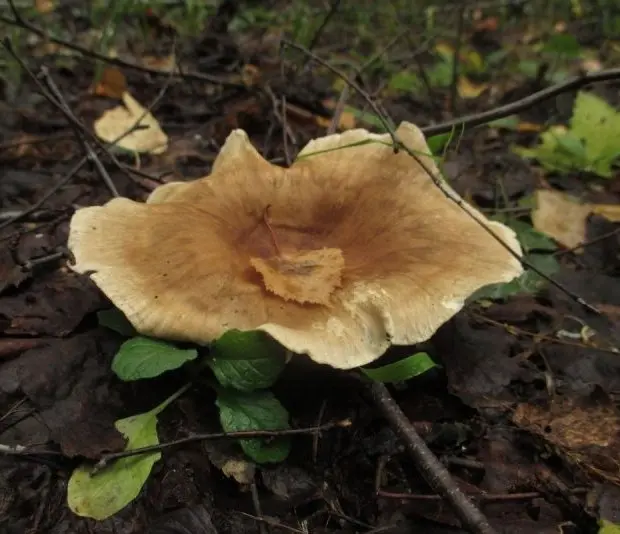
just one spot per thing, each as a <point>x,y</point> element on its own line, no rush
<point>507,123</point>
<point>591,144</point>
<point>530,238</point>
<point>103,494</point>
<point>562,44</point>
<point>247,360</point>
<point>401,370</point>
<point>406,81</point>
<point>143,357</point>
<point>437,143</point>
<point>528,282</point>
<point>259,410</point>
<point>367,117</point>
<point>115,319</point>
<point>607,527</point>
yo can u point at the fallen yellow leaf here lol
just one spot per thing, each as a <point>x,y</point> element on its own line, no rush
<point>149,137</point>
<point>611,212</point>
<point>560,217</point>
<point>469,89</point>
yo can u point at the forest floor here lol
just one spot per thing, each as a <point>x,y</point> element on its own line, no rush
<point>523,407</point>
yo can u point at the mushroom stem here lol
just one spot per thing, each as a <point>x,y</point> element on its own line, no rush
<point>273,235</point>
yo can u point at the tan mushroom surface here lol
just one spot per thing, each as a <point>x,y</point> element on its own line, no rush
<point>349,250</point>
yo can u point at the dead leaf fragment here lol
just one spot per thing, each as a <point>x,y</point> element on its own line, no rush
<point>163,64</point>
<point>112,84</point>
<point>561,217</point>
<point>584,433</point>
<point>115,122</point>
<point>611,212</point>
<point>44,6</point>
<point>469,89</point>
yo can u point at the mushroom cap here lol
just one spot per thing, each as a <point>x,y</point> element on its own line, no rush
<point>349,250</point>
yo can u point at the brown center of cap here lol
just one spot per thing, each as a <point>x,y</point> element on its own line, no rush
<point>309,276</point>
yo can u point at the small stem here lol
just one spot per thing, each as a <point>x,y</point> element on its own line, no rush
<point>273,234</point>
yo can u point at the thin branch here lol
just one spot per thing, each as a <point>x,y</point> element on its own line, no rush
<point>589,242</point>
<point>319,32</point>
<point>20,22</point>
<point>107,458</point>
<point>92,155</point>
<point>431,469</point>
<point>61,183</point>
<point>456,61</point>
<point>477,119</point>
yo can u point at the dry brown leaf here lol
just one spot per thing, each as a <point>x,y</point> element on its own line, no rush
<point>44,6</point>
<point>163,64</point>
<point>529,127</point>
<point>250,75</point>
<point>112,84</point>
<point>586,434</point>
<point>560,217</point>
<point>115,122</point>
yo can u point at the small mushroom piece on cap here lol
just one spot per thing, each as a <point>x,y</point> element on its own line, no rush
<point>349,250</point>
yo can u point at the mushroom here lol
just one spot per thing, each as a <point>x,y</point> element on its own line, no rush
<point>349,250</point>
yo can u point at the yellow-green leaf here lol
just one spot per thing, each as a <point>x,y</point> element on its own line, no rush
<point>105,493</point>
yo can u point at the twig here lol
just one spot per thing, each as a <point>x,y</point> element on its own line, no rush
<point>75,123</point>
<point>514,330</point>
<point>271,522</point>
<point>342,102</point>
<point>23,450</point>
<point>317,434</point>
<point>92,155</point>
<point>61,183</point>
<point>589,242</point>
<point>482,497</point>
<point>335,5</point>
<point>287,133</point>
<point>54,256</point>
<point>477,119</point>
<point>456,61</point>
<point>246,434</point>
<point>58,101</point>
<point>438,181</point>
<point>431,469</point>
<point>258,510</point>
<point>20,22</point>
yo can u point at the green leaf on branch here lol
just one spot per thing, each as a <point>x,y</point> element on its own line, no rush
<point>103,494</point>
<point>247,360</point>
<point>401,370</point>
<point>258,410</point>
<point>143,357</point>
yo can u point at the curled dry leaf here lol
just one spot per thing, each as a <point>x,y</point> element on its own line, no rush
<point>349,250</point>
<point>115,122</point>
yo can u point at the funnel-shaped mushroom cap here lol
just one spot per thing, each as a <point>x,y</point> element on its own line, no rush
<point>349,250</point>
